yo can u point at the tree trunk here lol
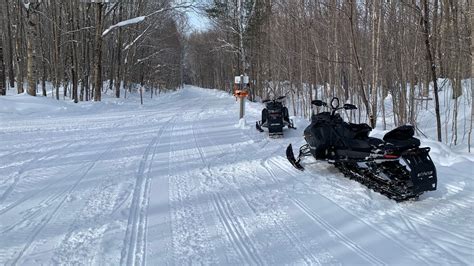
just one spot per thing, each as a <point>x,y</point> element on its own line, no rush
<point>57,47</point>
<point>43,60</point>
<point>74,57</point>
<point>11,74</point>
<point>98,53</point>
<point>31,14</point>
<point>3,83</point>
<point>472,76</point>
<point>356,55</point>
<point>18,48</point>
<point>118,77</point>
<point>2,71</point>
<point>375,52</point>
<point>427,32</point>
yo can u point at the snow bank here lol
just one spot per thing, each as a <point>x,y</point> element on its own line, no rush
<point>24,104</point>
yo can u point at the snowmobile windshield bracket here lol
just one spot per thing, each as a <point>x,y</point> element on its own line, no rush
<point>335,103</point>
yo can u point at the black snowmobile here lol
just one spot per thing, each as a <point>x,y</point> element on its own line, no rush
<point>395,166</point>
<point>274,117</point>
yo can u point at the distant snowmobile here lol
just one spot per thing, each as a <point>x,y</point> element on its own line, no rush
<point>274,117</point>
<point>396,167</point>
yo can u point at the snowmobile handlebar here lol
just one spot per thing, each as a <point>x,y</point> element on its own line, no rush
<point>274,99</point>
<point>334,105</point>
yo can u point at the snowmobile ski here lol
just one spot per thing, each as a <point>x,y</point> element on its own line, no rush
<point>291,158</point>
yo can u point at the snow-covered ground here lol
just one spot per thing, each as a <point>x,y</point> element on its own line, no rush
<point>181,181</point>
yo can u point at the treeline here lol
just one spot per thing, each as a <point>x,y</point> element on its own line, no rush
<point>81,44</point>
<point>360,51</point>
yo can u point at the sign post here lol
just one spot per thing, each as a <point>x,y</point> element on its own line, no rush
<point>241,84</point>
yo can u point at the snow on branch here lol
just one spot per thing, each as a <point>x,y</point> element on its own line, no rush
<point>139,19</point>
<point>124,23</point>
<point>136,39</point>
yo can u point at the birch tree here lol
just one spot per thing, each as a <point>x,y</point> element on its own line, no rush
<point>32,21</point>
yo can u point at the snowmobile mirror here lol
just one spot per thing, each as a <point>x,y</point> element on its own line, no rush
<point>318,103</point>
<point>349,106</point>
<point>335,103</point>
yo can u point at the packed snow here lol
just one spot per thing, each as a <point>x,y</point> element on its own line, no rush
<point>181,180</point>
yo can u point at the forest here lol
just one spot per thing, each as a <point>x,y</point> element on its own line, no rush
<point>82,44</point>
<point>360,51</point>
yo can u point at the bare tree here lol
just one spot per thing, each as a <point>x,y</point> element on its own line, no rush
<point>425,16</point>
<point>32,21</point>
<point>394,47</point>
<point>2,71</point>
<point>375,59</point>
<point>472,76</point>
<point>98,51</point>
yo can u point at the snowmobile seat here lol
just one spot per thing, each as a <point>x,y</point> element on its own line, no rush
<point>360,131</point>
<point>400,133</point>
<point>402,138</point>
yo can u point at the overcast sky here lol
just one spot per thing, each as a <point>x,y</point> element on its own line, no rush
<point>198,21</point>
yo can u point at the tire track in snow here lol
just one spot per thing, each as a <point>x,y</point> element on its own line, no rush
<point>334,231</point>
<point>45,188</point>
<point>85,146</point>
<point>134,249</point>
<point>25,167</point>
<point>300,247</point>
<point>235,231</point>
<point>285,226</point>
<point>422,240</point>
<point>190,238</point>
<point>65,194</point>
<point>34,212</point>
<point>20,151</point>
<point>421,220</point>
<point>288,170</point>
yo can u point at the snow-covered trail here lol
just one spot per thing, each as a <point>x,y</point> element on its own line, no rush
<point>177,182</point>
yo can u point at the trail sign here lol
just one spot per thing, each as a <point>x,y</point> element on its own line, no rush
<point>241,85</point>
<point>241,80</point>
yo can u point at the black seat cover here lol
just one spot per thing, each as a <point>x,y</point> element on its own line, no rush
<point>400,133</point>
<point>402,138</point>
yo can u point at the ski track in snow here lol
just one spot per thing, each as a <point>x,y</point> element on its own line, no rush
<point>177,182</point>
<point>134,242</point>
<point>234,228</point>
